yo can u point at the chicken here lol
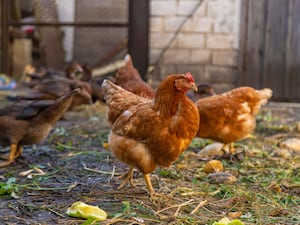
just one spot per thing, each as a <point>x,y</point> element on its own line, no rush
<point>129,78</point>
<point>96,82</point>
<point>54,86</point>
<point>230,117</point>
<point>204,90</point>
<point>86,73</point>
<point>147,133</point>
<point>30,123</point>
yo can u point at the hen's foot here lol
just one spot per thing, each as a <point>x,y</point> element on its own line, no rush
<point>228,149</point>
<point>11,157</point>
<point>231,148</point>
<point>6,163</point>
<point>127,178</point>
<point>17,153</point>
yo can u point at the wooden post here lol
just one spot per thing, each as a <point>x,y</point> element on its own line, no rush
<point>138,34</point>
<point>4,38</point>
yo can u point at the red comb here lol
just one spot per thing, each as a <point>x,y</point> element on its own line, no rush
<point>190,76</point>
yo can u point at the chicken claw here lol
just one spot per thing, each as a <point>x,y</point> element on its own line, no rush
<point>127,178</point>
<point>11,157</point>
<point>228,148</point>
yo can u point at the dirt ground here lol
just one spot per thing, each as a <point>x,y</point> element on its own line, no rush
<point>74,165</point>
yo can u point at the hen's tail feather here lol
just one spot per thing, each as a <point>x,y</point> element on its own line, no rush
<point>265,95</point>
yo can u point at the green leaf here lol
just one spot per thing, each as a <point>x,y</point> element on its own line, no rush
<point>8,186</point>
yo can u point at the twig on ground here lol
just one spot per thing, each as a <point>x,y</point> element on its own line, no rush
<point>112,173</point>
<point>175,206</point>
<point>57,213</point>
<point>72,186</point>
<point>98,171</point>
<point>201,204</point>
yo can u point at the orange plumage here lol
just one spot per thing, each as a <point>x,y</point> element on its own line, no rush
<point>230,116</point>
<point>147,133</point>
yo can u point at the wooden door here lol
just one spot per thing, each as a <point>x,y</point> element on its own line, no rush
<point>270,47</point>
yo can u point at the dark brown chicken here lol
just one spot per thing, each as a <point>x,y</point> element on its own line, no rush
<point>30,123</point>
<point>96,83</point>
<point>204,90</point>
<point>129,78</point>
<point>147,133</point>
<point>55,86</point>
<point>49,84</point>
<point>230,116</point>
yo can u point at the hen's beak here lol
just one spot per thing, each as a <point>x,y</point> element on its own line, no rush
<point>194,87</point>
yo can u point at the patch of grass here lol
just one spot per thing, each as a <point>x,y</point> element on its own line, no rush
<point>6,188</point>
<point>266,122</point>
<point>198,143</point>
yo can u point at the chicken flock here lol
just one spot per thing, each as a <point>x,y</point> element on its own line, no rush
<point>149,128</point>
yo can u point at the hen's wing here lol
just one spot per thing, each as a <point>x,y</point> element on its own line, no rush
<point>119,100</point>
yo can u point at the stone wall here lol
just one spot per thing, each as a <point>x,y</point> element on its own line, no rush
<point>197,36</point>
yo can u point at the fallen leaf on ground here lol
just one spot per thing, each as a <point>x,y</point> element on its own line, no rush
<point>85,211</point>
<point>226,221</point>
<point>213,166</point>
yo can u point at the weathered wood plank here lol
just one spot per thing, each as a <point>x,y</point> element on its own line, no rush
<point>269,47</point>
<point>243,39</point>
<point>292,80</point>
<point>254,56</point>
<point>275,46</point>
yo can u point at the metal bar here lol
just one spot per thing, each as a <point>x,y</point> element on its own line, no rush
<point>4,38</point>
<point>138,34</point>
<point>81,24</point>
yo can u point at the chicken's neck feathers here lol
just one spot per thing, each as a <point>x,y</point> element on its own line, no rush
<point>167,101</point>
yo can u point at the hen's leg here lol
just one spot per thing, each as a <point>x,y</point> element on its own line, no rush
<point>11,156</point>
<point>149,184</point>
<point>127,178</point>
<point>19,151</point>
<point>228,149</point>
<point>231,148</point>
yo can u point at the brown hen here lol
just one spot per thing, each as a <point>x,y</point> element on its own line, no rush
<point>55,86</point>
<point>230,117</point>
<point>30,123</point>
<point>147,133</point>
<point>129,78</point>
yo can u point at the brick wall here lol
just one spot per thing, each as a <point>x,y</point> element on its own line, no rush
<point>196,36</point>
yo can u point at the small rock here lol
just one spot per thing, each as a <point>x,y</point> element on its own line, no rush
<point>211,150</point>
<point>291,143</point>
<point>283,153</point>
<point>221,178</point>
